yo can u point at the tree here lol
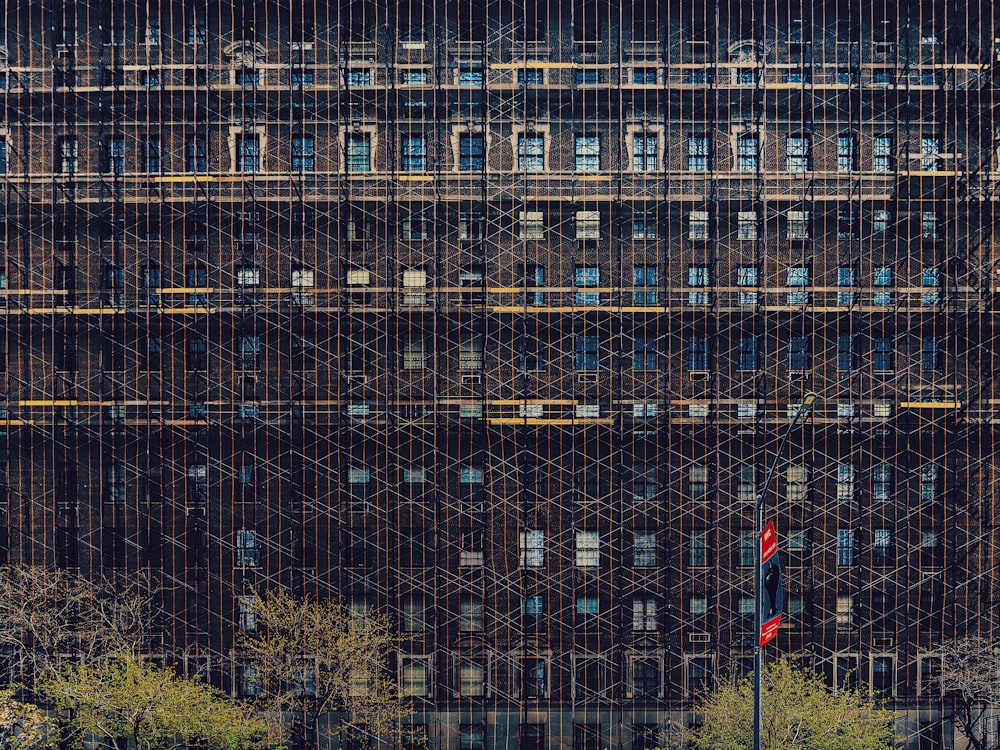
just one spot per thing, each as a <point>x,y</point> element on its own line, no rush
<point>309,658</point>
<point>23,726</point>
<point>799,711</point>
<point>135,704</point>
<point>47,614</point>
<point>970,672</point>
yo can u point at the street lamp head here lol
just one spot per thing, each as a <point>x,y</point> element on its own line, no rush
<point>808,401</point>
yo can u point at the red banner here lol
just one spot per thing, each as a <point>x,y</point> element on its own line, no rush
<point>772,590</point>
<point>768,542</point>
<point>769,630</point>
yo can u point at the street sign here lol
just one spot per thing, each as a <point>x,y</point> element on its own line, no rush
<point>772,589</point>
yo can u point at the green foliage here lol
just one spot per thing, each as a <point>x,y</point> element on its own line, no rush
<point>130,701</point>
<point>799,713</point>
<point>23,726</point>
<point>314,657</point>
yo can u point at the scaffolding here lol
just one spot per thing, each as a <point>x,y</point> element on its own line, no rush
<point>490,314</point>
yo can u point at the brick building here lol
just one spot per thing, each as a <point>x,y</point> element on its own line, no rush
<point>491,316</point>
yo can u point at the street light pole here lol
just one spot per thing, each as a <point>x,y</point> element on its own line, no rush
<point>808,401</point>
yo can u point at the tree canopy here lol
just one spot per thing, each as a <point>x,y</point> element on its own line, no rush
<point>799,713</point>
<point>136,704</point>
<point>313,657</point>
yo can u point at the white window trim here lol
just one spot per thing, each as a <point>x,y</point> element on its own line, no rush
<point>485,661</point>
<point>456,134</point>
<point>372,133</point>
<point>734,135</point>
<point>661,141</point>
<point>545,131</point>
<point>428,663</point>
<point>234,134</point>
<point>632,658</point>
<point>891,692</point>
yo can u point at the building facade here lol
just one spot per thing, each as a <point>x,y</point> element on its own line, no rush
<point>491,315</point>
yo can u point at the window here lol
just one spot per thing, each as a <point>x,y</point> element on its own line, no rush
<point>747,150</point>
<point>470,77</point>
<point>930,548</point>
<point>413,619</point>
<point>588,153</point>
<point>470,353</point>
<point>303,153</point>
<point>748,548</point>
<point>587,277</point>
<point>697,481</point>
<point>414,355</point>
<point>880,220</point>
<point>697,350</point>
<point>882,355</point>
<point>928,225</point>
<point>847,223</point>
<point>644,152</point>
<point>302,77</point>
<point>698,225</point>
<point>798,353</point>
<point>588,225</point>
<point>530,357</point>
<point>3,155</point>
<point>470,614</point>
<point>644,354</point>
<point>747,226</point>
<point>845,482</point>
<point>846,276</point>
<point>533,678</point>
<point>643,481</point>
<point>845,546</point>
<point>588,549</point>
<point>196,153</point>
<point>531,153</point>
<point>644,76</point>
<point>746,486</point>
<point>587,76</point>
<point>151,155</point>
<point>697,604</point>
<point>534,278</point>
<point>847,153</point>
<point>847,358</point>
<point>845,613</point>
<point>246,77</point>
<point>929,474</point>
<point>644,614</point>
<point>882,77</point>
<point>247,554</point>
<point>798,153</point>
<point>797,276</point>
<point>930,278</point>
<point>533,612</point>
<point>247,153</point>
<point>882,547</point>
<point>747,277</point>
<point>882,277</point>
<point>472,152</point>
<point>644,225</point>
<point>883,154</point>
<point>699,672</point>
<point>796,483</point>
<point>698,276</point>
<point>248,276</point>
<point>644,278</point>
<point>69,155</point>
<point>929,359</point>
<point>644,549</point>
<point>415,677</point>
<point>531,77</point>
<point>798,225</point>
<point>470,554</point>
<point>748,360</point>
<point>358,153</point>
<point>698,153</point>
<point>698,550</point>
<point>532,548</point>
<point>532,225</point>
<point>930,148</point>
